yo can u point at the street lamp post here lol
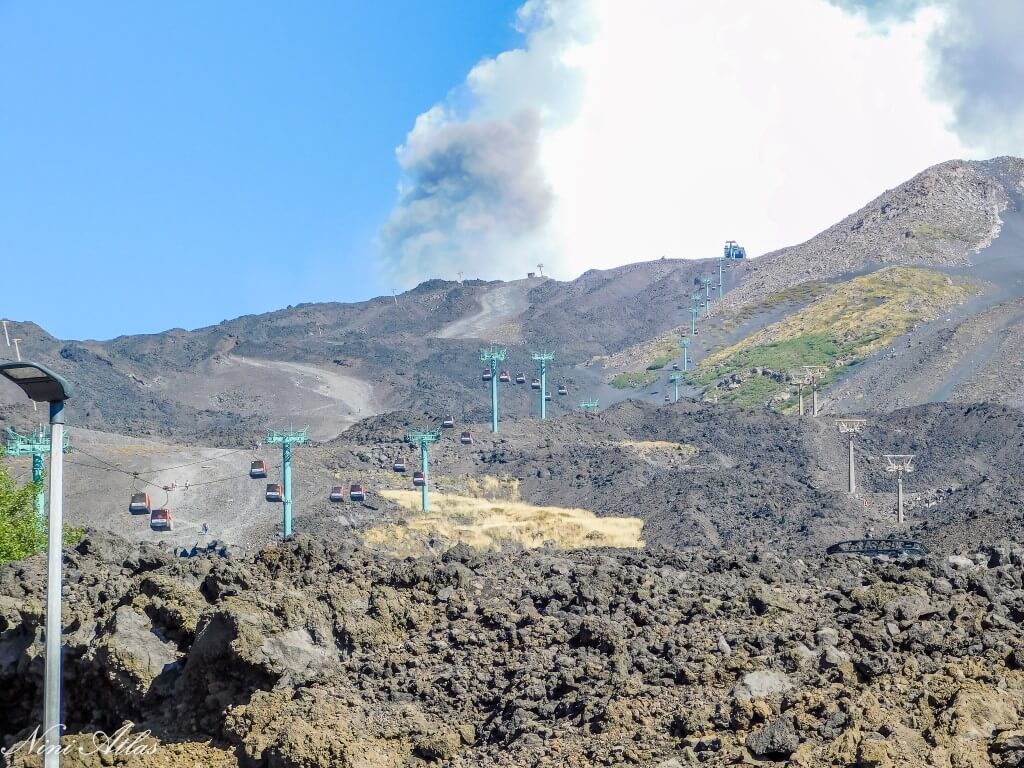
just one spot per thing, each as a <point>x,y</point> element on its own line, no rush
<point>42,385</point>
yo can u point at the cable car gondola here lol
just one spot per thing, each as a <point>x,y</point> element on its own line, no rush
<point>258,468</point>
<point>562,390</point>
<point>399,465</point>
<point>160,520</point>
<point>418,479</point>
<point>466,438</point>
<point>448,422</point>
<point>535,384</point>
<point>274,492</point>
<point>486,375</point>
<point>547,396</point>
<point>675,366</point>
<point>140,504</point>
<point>337,493</point>
<point>520,378</point>
<point>355,492</point>
<point>505,377</point>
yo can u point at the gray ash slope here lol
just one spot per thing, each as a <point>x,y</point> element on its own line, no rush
<point>308,654</point>
<point>223,383</point>
<point>700,475</point>
<point>184,385</point>
<point>941,218</point>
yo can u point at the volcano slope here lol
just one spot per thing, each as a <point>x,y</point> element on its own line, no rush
<point>700,475</point>
<point>711,476</point>
<point>962,221</point>
<point>315,654</point>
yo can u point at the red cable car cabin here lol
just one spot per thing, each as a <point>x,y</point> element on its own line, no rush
<point>139,505</point>
<point>504,377</point>
<point>520,378</point>
<point>448,422</point>
<point>160,520</point>
<point>399,465</point>
<point>258,468</point>
<point>274,492</point>
<point>486,375</point>
<point>418,479</point>
<point>355,492</point>
<point>535,384</point>
<point>337,493</point>
<point>466,439</point>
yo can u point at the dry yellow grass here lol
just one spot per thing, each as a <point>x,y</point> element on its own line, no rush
<point>489,523</point>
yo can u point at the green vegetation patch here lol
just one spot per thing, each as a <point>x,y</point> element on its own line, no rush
<point>793,295</point>
<point>19,532</point>
<point>660,362</point>
<point>812,349</point>
<point>633,379</point>
<point>753,392</point>
<point>840,328</point>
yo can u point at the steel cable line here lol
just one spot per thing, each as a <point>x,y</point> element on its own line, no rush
<point>112,468</point>
<point>193,463</point>
<point>147,482</point>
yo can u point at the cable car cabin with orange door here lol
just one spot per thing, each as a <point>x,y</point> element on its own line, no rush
<point>258,468</point>
<point>399,465</point>
<point>160,520</point>
<point>337,493</point>
<point>520,378</point>
<point>505,377</point>
<point>274,492</point>
<point>355,492</point>
<point>535,384</point>
<point>139,505</point>
<point>418,479</point>
<point>466,439</point>
<point>486,375</point>
<point>448,422</point>
<point>563,390</point>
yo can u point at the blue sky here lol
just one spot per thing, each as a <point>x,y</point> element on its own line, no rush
<point>176,164</point>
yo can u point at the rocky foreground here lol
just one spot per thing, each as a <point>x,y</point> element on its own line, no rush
<point>312,656</point>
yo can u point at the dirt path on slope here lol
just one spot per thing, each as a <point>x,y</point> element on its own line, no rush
<point>352,399</point>
<point>497,319</point>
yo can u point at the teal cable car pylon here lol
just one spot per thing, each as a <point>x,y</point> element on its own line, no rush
<point>36,445</point>
<point>542,359</point>
<point>286,439</point>
<point>492,356</point>
<point>423,440</point>
<point>675,378</point>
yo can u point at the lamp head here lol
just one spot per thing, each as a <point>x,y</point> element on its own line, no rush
<point>38,382</point>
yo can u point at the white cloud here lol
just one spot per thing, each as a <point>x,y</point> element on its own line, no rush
<point>658,127</point>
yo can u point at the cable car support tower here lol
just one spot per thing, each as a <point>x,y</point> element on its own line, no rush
<point>423,440</point>
<point>286,440</point>
<point>492,356</point>
<point>542,359</point>
<point>899,463</point>
<point>36,445</point>
<point>851,427</point>
<point>675,378</point>
<point>685,344</point>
